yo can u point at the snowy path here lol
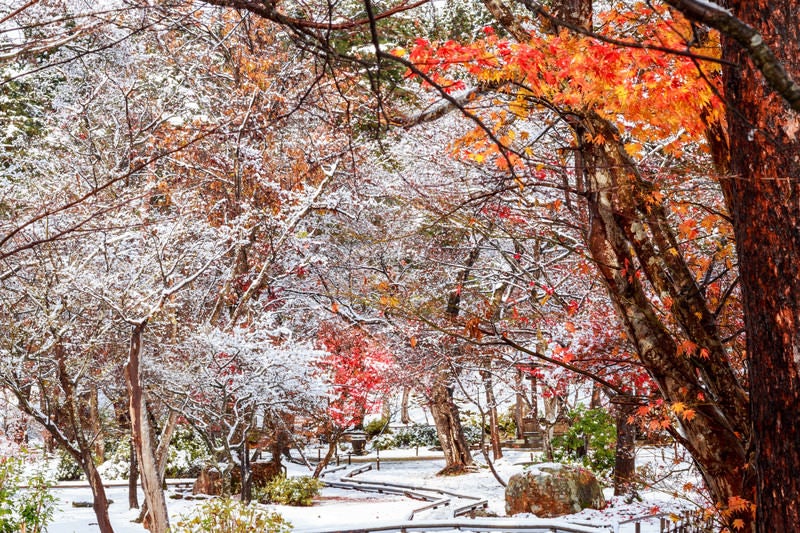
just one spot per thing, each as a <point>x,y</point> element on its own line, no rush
<point>340,509</point>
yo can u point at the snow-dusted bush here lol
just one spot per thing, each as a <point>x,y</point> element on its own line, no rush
<point>115,468</point>
<point>382,442</point>
<point>416,435</point>
<point>68,469</point>
<point>118,460</point>
<point>379,426</point>
<point>292,490</point>
<point>594,428</point>
<point>231,516</point>
<point>472,432</point>
<point>23,510</point>
<point>187,454</point>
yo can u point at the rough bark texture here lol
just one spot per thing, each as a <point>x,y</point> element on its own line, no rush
<point>141,434</point>
<point>625,454</point>
<point>764,198</point>
<point>448,426</point>
<point>629,231</point>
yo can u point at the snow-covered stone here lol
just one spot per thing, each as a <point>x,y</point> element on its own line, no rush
<point>551,489</point>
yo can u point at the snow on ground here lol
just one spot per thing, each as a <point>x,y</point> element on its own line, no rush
<point>338,508</point>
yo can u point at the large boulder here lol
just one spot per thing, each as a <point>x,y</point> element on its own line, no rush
<point>551,489</point>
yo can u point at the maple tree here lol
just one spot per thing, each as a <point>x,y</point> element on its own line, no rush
<point>627,225</point>
<point>357,369</point>
<point>591,160</point>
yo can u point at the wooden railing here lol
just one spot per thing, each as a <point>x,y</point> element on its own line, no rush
<point>685,522</point>
<point>473,525</point>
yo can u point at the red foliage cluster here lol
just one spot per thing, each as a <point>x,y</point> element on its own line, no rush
<point>357,368</point>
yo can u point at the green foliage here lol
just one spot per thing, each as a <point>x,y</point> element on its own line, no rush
<point>459,21</point>
<point>594,427</point>
<point>472,431</point>
<point>118,458</point>
<point>187,454</point>
<point>416,435</point>
<point>298,491</point>
<point>507,424</point>
<point>377,427</point>
<point>471,425</point>
<point>68,469</point>
<point>383,442</point>
<point>231,516</point>
<point>28,510</point>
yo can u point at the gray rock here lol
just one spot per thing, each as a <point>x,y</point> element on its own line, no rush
<point>551,489</point>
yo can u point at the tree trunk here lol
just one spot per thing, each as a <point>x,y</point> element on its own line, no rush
<point>81,447</point>
<point>625,454</point>
<point>519,403</point>
<point>627,228</point>
<point>99,499</point>
<point>494,433</point>
<point>162,454</point>
<point>404,417</point>
<point>548,424</point>
<point>448,426</point>
<point>96,426</point>
<point>133,480</point>
<point>596,401</point>
<point>764,197</point>
<point>247,476</point>
<point>141,435</point>
<point>334,440</point>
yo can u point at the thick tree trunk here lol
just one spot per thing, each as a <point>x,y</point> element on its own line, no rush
<point>141,435</point>
<point>764,197</point>
<point>628,230</point>
<point>448,426</point>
